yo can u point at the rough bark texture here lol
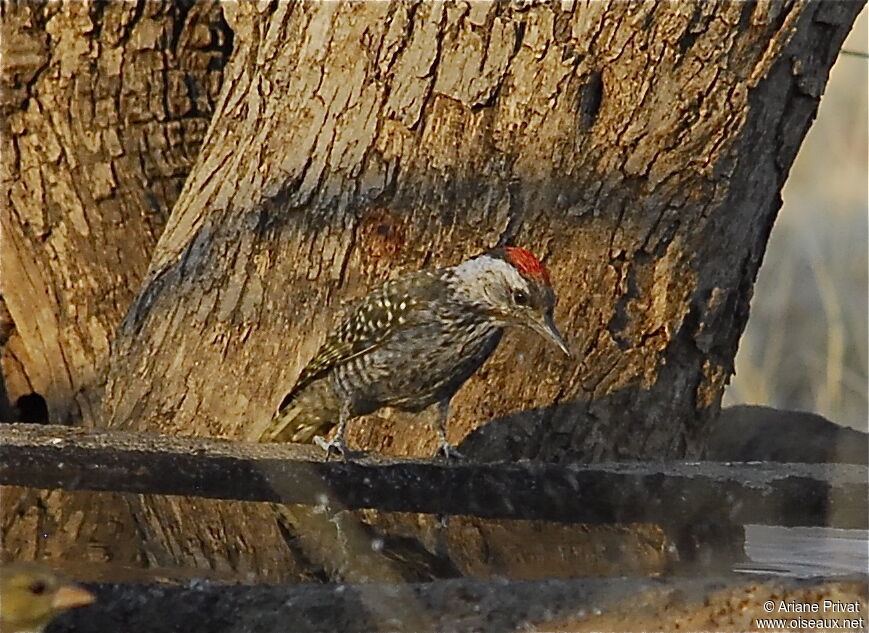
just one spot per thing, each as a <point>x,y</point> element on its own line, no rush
<point>104,108</point>
<point>638,148</point>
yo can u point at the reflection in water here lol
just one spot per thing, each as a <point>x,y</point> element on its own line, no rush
<point>805,551</point>
<point>525,550</point>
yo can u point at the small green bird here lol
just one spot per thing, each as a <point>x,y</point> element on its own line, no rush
<point>31,595</point>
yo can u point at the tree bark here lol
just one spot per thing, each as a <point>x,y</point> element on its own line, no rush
<point>104,108</point>
<point>638,148</point>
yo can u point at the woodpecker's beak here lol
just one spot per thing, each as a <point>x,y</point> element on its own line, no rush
<point>545,327</point>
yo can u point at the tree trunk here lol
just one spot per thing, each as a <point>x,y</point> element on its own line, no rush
<point>104,108</point>
<point>638,148</point>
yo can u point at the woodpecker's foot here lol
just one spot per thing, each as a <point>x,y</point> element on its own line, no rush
<point>329,447</point>
<point>337,447</point>
<point>448,452</point>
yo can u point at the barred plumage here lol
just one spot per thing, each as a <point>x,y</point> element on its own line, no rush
<point>412,343</point>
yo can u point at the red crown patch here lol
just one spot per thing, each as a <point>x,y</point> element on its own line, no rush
<point>526,263</point>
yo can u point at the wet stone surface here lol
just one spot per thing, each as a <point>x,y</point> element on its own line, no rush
<point>450,605</point>
<point>585,516</point>
<point>668,493</point>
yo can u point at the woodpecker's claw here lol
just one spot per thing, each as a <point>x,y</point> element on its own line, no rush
<point>337,447</point>
<point>449,452</point>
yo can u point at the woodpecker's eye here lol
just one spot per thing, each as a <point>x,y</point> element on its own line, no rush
<point>520,298</point>
<point>37,588</point>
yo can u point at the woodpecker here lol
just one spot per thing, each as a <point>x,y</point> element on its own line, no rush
<point>412,343</point>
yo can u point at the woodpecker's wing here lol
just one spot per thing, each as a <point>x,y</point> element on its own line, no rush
<point>395,303</point>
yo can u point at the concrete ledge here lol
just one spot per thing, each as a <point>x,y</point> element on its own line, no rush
<point>58,457</point>
<point>458,605</point>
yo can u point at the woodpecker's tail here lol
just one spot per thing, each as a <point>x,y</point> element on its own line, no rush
<point>312,412</point>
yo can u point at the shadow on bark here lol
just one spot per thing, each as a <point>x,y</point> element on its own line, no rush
<point>571,432</point>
